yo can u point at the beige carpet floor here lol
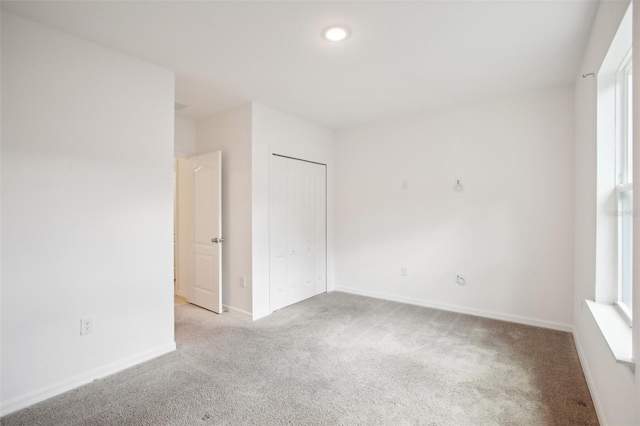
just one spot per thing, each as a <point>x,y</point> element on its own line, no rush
<point>339,359</point>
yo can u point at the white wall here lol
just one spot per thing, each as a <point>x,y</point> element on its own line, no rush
<point>183,227</point>
<point>636,226</point>
<point>509,233</point>
<point>280,133</point>
<point>185,137</point>
<point>230,132</point>
<point>612,385</point>
<point>246,136</point>
<point>184,146</point>
<point>87,158</point>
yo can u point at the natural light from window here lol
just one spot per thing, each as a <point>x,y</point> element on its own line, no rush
<point>612,304</point>
<point>624,187</point>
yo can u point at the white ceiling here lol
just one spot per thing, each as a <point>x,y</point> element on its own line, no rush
<point>402,57</point>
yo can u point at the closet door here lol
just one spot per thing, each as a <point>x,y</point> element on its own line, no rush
<point>305,261</point>
<point>278,209</point>
<point>297,230</point>
<point>294,231</point>
<point>320,230</point>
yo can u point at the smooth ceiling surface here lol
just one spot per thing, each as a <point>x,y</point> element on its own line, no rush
<point>402,57</point>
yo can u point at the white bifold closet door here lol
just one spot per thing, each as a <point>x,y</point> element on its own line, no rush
<point>297,230</point>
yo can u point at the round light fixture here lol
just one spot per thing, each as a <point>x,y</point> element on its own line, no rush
<point>336,33</point>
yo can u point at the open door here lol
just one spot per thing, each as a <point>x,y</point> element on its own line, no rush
<point>206,201</point>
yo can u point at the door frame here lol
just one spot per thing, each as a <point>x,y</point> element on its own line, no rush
<point>201,296</point>
<point>182,227</point>
<point>184,212</point>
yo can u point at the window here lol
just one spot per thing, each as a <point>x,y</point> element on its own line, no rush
<point>614,237</point>
<point>612,306</point>
<point>624,185</point>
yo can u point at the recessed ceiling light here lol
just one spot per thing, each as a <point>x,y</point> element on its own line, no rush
<point>336,33</point>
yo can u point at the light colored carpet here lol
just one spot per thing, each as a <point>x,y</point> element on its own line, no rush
<point>339,359</point>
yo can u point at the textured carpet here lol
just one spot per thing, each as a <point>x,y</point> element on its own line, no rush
<point>339,359</point>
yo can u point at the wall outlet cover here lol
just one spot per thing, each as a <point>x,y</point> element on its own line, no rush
<point>86,325</point>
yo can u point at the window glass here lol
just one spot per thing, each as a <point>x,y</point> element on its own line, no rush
<point>625,216</point>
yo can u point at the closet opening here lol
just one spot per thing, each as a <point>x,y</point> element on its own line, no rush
<point>297,230</point>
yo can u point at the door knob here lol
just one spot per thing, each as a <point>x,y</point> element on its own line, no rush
<point>217,240</point>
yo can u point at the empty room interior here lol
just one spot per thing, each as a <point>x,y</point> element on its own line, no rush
<point>310,212</point>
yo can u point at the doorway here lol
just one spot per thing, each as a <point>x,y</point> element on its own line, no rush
<point>197,230</point>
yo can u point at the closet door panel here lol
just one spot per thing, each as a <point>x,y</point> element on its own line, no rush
<point>306,225</point>
<point>320,229</point>
<point>294,231</point>
<point>297,231</point>
<point>278,233</point>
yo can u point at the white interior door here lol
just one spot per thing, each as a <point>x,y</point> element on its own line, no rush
<point>206,201</point>
<point>319,183</point>
<point>297,231</point>
<point>278,250</point>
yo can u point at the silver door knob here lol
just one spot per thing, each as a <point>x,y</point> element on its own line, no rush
<point>217,240</point>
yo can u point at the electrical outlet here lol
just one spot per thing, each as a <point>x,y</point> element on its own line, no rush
<point>86,325</point>
<point>403,271</point>
<point>243,282</point>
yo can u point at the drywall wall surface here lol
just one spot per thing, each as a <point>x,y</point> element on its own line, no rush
<point>87,159</point>
<point>185,138</point>
<point>183,227</point>
<point>636,205</point>
<point>612,385</point>
<point>280,133</point>
<point>230,132</point>
<point>507,231</point>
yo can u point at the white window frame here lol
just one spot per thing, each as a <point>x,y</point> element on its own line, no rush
<point>624,181</point>
<point>612,130</point>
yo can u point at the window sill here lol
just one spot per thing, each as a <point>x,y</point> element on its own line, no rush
<point>616,332</point>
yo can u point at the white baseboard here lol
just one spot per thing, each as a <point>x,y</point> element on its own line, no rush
<point>459,309</point>
<point>262,314</point>
<point>65,385</point>
<point>238,313</point>
<point>590,383</point>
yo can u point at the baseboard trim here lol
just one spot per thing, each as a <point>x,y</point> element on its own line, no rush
<point>590,383</point>
<point>65,385</point>
<point>262,314</point>
<point>459,309</point>
<point>238,313</point>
